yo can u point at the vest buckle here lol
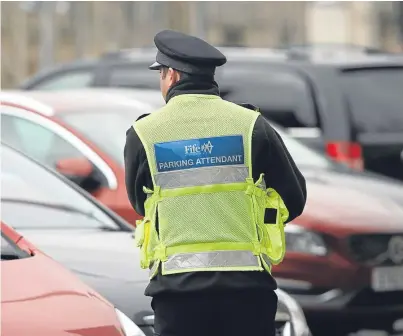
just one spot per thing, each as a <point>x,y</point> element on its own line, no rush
<point>160,253</point>
<point>258,249</point>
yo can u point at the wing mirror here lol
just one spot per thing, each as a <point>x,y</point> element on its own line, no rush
<point>80,171</point>
<point>79,167</point>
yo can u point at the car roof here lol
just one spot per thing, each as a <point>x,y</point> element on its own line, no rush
<point>338,61</point>
<point>299,56</point>
<point>360,61</point>
<point>70,101</point>
<point>322,55</point>
<point>148,54</point>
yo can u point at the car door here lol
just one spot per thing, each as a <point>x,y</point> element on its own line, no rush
<point>48,142</point>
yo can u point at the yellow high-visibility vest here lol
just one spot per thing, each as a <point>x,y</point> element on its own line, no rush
<point>209,211</point>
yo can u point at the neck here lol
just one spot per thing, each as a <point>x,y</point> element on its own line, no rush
<point>188,85</point>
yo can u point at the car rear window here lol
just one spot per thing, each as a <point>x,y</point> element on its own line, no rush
<point>375,98</point>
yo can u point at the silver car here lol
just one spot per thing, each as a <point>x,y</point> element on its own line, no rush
<point>97,245</point>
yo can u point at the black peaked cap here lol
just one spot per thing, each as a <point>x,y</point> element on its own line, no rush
<point>186,53</point>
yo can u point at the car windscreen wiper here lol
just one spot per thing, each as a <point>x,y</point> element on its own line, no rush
<point>63,207</point>
<point>9,256</point>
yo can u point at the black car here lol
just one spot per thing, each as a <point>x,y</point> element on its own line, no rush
<point>348,105</point>
<point>73,228</point>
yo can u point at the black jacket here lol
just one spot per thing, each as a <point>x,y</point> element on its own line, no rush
<point>269,156</point>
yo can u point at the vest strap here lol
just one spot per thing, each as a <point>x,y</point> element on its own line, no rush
<point>274,201</point>
<point>249,186</point>
<point>161,253</point>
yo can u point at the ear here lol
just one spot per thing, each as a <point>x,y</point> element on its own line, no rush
<point>174,76</point>
<point>177,76</point>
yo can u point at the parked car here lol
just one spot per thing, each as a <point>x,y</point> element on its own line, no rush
<point>351,109</point>
<point>347,104</point>
<point>340,240</point>
<point>40,297</point>
<point>97,245</point>
<point>79,133</point>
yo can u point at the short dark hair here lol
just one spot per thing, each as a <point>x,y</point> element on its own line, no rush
<point>164,70</point>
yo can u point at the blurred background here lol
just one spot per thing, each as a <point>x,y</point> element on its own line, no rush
<point>37,34</point>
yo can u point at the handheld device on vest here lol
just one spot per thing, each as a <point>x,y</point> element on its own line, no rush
<point>205,212</point>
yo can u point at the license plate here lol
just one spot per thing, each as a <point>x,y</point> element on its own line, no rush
<point>387,279</point>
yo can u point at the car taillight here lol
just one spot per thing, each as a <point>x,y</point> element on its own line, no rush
<point>348,153</point>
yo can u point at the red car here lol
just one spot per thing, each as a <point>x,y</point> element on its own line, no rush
<point>40,297</point>
<point>79,133</point>
<point>344,260</point>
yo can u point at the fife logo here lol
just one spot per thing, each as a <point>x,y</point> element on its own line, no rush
<point>195,149</point>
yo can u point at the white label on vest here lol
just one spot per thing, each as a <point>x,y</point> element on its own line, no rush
<point>197,153</point>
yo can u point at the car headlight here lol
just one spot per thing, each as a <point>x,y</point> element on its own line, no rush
<point>302,240</point>
<point>298,321</point>
<point>128,326</point>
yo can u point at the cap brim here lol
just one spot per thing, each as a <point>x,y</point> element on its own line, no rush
<point>155,66</point>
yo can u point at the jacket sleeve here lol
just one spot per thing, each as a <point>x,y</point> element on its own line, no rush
<point>137,171</point>
<point>271,157</point>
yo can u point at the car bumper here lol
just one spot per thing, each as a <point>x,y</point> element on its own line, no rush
<point>335,287</point>
<point>358,302</point>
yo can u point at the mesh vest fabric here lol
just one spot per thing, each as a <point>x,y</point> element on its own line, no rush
<point>210,211</point>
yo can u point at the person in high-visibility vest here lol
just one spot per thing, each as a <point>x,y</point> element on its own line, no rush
<point>216,185</point>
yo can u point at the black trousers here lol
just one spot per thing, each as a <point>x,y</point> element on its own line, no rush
<point>224,314</point>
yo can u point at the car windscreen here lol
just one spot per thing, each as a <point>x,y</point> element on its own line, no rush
<point>106,129</point>
<point>33,197</point>
<point>110,134</point>
<point>375,98</point>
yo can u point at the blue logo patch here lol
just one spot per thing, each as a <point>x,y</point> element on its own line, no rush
<point>197,153</point>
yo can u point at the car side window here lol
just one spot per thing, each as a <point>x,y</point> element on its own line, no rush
<point>281,94</point>
<point>6,247</point>
<point>133,75</point>
<point>67,80</point>
<point>9,250</point>
<point>375,99</point>
<point>36,141</point>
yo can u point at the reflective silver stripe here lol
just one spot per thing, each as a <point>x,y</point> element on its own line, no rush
<point>210,260</point>
<point>266,260</point>
<point>202,176</point>
<point>153,266</point>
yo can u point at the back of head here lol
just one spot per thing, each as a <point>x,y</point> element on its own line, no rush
<point>185,58</point>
